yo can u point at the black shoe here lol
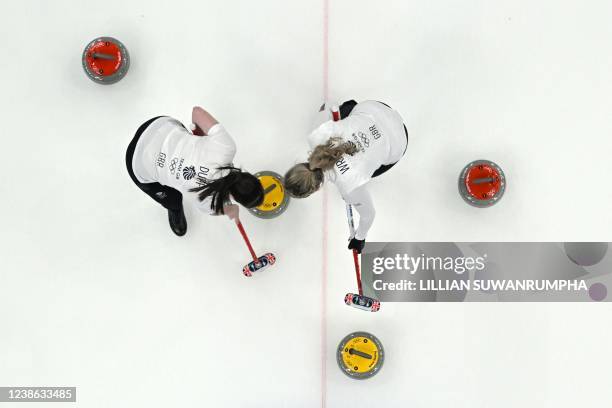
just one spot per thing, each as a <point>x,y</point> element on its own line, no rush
<point>177,220</point>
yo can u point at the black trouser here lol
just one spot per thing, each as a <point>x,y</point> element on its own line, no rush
<point>166,196</point>
<point>345,110</point>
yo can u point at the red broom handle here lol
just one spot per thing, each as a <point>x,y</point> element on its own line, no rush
<point>357,272</point>
<point>335,113</point>
<point>246,239</point>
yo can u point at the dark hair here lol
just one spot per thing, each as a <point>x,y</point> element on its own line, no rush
<point>244,187</point>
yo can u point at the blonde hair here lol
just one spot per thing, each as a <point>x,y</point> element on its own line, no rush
<point>303,179</point>
<point>326,155</point>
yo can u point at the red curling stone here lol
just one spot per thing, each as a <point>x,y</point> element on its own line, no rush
<point>482,183</point>
<point>105,60</point>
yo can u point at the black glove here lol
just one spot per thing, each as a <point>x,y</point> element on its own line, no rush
<point>357,244</point>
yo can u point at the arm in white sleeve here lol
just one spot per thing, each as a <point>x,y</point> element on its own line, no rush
<point>203,206</point>
<point>361,200</point>
<point>220,145</point>
<point>216,129</point>
<point>323,133</point>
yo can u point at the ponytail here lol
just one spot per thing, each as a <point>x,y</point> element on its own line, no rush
<point>244,187</point>
<point>324,156</point>
<point>303,179</point>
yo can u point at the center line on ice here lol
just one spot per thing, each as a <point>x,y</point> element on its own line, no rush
<point>325,219</point>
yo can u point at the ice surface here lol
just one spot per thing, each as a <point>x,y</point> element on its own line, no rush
<point>95,291</point>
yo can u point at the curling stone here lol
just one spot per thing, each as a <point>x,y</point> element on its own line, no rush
<point>360,355</point>
<point>105,60</point>
<point>482,183</point>
<point>276,198</point>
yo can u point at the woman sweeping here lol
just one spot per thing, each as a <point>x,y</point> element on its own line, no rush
<point>167,161</point>
<point>369,139</point>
